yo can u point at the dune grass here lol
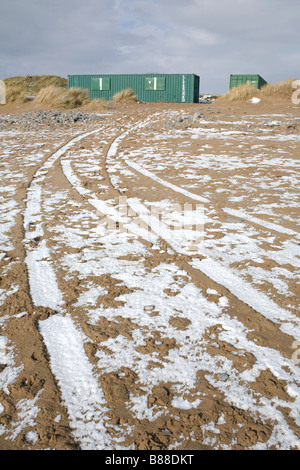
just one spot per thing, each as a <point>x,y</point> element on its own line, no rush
<point>125,96</point>
<point>247,91</point>
<point>97,104</point>
<point>16,94</point>
<point>51,95</point>
<point>279,88</point>
<point>22,89</point>
<point>75,98</point>
<point>240,93</point>
<point>56,96</point>
<point>32,84</point>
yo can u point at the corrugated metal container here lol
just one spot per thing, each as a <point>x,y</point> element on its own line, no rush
<point>256,80</point>
<point>171,88</point>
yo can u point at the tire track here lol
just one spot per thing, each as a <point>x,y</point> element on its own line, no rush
<point>87,408</point>
<point>280,336</point>
<point>241,290</point>
<point>20,326</point>
<point>41,276</point>
<point>59,333</point>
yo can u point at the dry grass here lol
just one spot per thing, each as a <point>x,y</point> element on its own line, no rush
<point>279,88</point>
<point>22,89</point>
<point>32,84</point>
<point>97,104</point>
<point>240,93</point>
<point>60,97</point>
<point>125,96</point>
<point>16,94</point>
<point>51,95</point>
<point>75,98</point>
<point>248,91</point>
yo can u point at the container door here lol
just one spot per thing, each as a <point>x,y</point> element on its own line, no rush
<point>105,83</point>
<point>100,84</point>
<point>95,84</point>
<point>155,83</point>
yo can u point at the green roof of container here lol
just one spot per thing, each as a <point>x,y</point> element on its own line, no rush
<point>176,88</point>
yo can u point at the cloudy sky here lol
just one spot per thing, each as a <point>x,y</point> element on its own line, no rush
<point>211,38</point>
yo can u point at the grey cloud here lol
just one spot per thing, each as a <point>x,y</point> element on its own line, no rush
<point>212,38</point>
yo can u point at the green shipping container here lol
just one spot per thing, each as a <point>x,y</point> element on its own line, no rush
<point>256,80</point>
<point>170,88</point>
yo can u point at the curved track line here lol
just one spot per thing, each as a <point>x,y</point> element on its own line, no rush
<point>255,220</point>
<point>58,324</point>
<point>239,288</point>
<point>216,273</point>
<point>42,279</point>
<point>195,197</point>
<point>63,341</point>
<point>165,183</point>
<point>240,214</point>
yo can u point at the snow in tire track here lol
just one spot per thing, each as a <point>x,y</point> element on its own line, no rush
<point>80,389</point>
<point>88,413</point>
<point>224,276</point>
<point>219,273</point>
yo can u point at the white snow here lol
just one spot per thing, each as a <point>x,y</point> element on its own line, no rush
<point>31,437</point>
<point>27,413</point>
<point>252,297</point>
<point>42,278</point>
<point>183,404</point>
<point>156,295</point>
<point>80,389</point>
<point>165,183</point>
<point>255,100</point>
<point>256,220</point>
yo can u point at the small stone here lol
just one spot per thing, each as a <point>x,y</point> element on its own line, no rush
<point>223,376</point>
<point>149,308</point>
<point>166,431</point>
